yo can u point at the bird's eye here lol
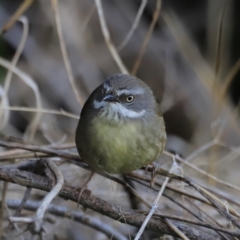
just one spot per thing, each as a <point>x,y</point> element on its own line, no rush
<point>129,98</point>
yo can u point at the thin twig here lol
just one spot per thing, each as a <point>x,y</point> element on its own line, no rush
<point>107,38</point>
<point>219,44</point>
<point>38,219</point>
<point>23,7</point>
<point>41,110</point>
<point>147,37</point>
<point>77,216</point>
<point>4,193</point>
<point>31,129</point>
<point>33,148</point>
<point>20,206</point>
<point>88,200</point>
<point>134,26</point>
<point>215,203</point>
<point>176,230</point>
<point>228,79</point>
<point>96,224</point>
<point>14,61</point>
<point>155,205</point>
<point>87,19</point>
<point>24,200</point>
<point>200,150</point>
<point>211,219</point>
<point>136,177</point>
<point>188,181</point>
<point>64,52</point>
<point>201,171</point>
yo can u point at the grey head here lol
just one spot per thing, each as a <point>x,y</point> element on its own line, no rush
<point>123,96</point>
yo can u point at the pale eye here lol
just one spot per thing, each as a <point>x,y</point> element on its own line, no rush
<point>129,98</point>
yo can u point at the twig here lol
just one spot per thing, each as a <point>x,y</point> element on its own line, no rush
<point>147,37</point>
<point>24,200</point>
<point>203,192</point>
<point>135,177</point>
<point>8,77</point>
<point>4,115</point>
<point>215,203</point>
<point>64,52</point>
<point>200,150</point>
<point>176,230</point>
<point>134,26</point>
<point>227,81</point>
<point>60,154</point>
<point>20,153</point>
<point>31,83</point>
<point>14,225</point>
<point>38,219</point>
<point>33,148</point>
<point>20,206</point>
<point>87,19</point>
<point>88,200</point>
<point>155,205</point>
<point>77,216</point>
<point>219,44</point>
<point>23,7</point>
<point>211,219</point>
<point>4,192</point>
<point>41,110</point>
<point>201,171</point>
<point>17,54</point>
<point>186,180</point>
<point>107,38</point>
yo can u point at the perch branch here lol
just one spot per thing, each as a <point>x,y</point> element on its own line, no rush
<point>88,200</point>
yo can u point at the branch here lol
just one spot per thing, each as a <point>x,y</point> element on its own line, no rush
<point>45,150</point>
<point>77,216</point>
<point>64,52</point>
<point>147,37</point>
<point>107,38</point>
<point>94,203</point>
<point>37,221</point>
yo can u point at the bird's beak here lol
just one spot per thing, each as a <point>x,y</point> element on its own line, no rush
<point>110,98</point>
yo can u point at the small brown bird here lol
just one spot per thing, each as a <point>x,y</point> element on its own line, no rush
<point>121,128</point>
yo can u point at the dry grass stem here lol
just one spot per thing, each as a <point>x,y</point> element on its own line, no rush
<point>38,219</point>
<point>7,82</point>
<point>147,37</point>
<point>32,127</point>
<point>155,204</point>
<point>201,171</point>
<point>64,52</point>
<point>23,7</point>
<point>107,38</point>
<point>134,26</point>
<point>41,110</point>
<point>88,18</point>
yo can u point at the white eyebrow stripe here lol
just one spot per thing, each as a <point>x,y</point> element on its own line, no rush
<point>128,92</point>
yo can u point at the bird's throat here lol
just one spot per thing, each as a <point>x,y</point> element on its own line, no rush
<point>116,111</point>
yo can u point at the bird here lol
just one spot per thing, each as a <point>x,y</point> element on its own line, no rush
<point>121,128</point>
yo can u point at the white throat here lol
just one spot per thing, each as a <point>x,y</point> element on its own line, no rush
<point>114,111</point>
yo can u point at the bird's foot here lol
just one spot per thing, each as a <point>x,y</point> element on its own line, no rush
<point>84,186</point>
<point>154,167</point>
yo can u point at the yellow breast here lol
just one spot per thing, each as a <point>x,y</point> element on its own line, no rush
<point>121,148</point>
